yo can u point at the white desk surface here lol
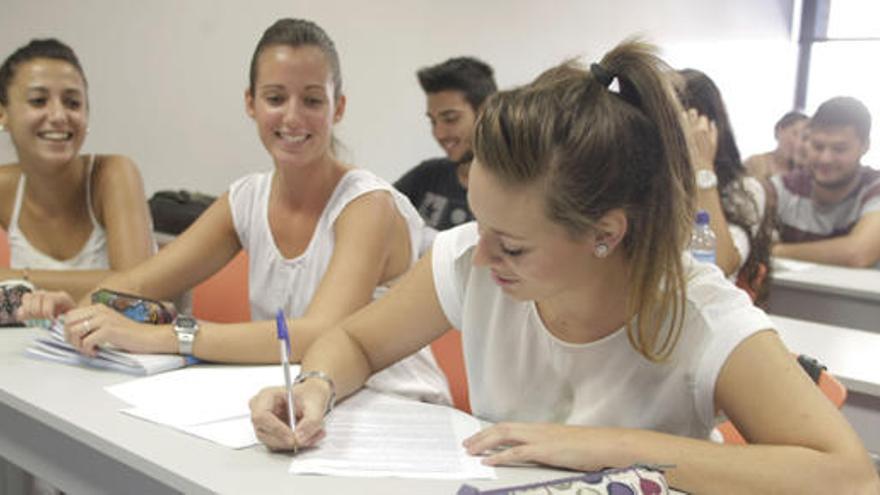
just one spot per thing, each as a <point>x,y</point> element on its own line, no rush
<point>57,421</point>
<point>863,283</point>
<point>846,297</point>
<point>853,356</point>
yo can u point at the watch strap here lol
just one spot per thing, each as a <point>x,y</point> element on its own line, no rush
<point>186,334</point>
<point>185,343</point>
<point>322,376</point>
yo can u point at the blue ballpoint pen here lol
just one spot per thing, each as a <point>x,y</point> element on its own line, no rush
<point>284,341</point>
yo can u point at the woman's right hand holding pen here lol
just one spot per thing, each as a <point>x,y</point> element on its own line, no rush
<point>270,421</point>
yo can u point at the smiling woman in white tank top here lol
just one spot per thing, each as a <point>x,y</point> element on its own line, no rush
<point>71,219</point>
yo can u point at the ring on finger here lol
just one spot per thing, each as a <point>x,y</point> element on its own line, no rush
<point>87,327</point>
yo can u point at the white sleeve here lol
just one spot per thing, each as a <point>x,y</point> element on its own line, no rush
<point>740,243</point>
<point>738,235</point>
<point>759,194</point>
<point>730,318</point>
<point>451,266</point>
<point>871,205</point>
<point>240,204</point>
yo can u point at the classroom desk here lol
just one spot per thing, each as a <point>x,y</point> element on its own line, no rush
<point>835,295</point>
<point>852,357</point>
<point>59,423</point>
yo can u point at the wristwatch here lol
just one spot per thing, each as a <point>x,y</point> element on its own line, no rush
<point>706,179</point>
<point>186,327</point>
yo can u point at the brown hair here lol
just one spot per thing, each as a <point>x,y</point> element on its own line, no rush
<point>49,48</point>
<point>473,77</point>
<point>296,33</point>
<point>596,150</point>
<point>842,111</point>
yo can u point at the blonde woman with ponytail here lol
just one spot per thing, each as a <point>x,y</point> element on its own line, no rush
<point>590,338</point>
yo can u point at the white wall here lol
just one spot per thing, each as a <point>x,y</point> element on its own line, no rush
<point>167,76</point>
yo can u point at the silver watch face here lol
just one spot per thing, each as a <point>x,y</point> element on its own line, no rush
<point>706,179</point>
<point>186,324</point>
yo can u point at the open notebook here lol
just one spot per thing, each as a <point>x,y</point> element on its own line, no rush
<point>52,346</point>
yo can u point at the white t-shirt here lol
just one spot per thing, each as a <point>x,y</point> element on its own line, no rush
<point>737,234</point>
<point>277,282</point>
<point>518,371</point>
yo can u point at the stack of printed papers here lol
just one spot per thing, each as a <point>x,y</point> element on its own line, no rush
<point>378,435</point>
<point>52,346</point>
<point>369,434</point>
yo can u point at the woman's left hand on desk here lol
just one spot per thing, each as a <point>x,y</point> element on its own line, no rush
<point>574,447</point>
<point>92,326</point>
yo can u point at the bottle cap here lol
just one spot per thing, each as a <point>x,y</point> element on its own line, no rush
<point>703,217</point>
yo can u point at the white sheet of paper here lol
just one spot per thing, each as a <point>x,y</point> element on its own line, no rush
<point>373,435</point>
<point>199,395</point>
<point>210,402</point>
<point>235,433</point>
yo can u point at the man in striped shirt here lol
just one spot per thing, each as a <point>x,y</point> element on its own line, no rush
<point>829,212</point>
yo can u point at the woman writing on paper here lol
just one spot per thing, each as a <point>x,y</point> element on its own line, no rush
<point>72,219</point>
<point>588,335</point>
<point>323,238</point>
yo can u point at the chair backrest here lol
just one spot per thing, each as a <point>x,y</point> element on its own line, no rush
<point>4,249</point>
<point>223,298</point>
<point>447,352</point>
<point>830,386</point>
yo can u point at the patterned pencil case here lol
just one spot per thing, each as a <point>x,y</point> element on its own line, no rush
<point>11,292</point>
<point>633,480</point>
<point>137,308</point>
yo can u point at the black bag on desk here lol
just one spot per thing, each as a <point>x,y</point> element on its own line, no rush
<point>174,211</point>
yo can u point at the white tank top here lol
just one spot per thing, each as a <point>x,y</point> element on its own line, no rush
<point>92,256</point>
<point>278,282</point>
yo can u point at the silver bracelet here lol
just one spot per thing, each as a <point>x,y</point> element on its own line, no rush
<point>323,376</point>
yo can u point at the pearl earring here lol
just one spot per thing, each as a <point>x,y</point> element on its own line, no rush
<point>601,250</point>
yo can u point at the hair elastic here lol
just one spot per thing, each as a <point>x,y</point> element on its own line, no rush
<point>601,74</point>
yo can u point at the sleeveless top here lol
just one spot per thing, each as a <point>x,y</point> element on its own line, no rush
<point>278,282</point>
<point>92,256</point>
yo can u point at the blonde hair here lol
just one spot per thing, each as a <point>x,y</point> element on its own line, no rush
<point>595,150</point>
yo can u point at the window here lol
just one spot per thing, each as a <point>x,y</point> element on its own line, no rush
<point>840,46</point>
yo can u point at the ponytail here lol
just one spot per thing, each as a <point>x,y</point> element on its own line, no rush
<point>657,281</point>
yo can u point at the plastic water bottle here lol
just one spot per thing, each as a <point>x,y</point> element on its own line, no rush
<point>703,239</point>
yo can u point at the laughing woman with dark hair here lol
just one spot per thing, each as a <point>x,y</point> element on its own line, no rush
<point>72,219</point>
